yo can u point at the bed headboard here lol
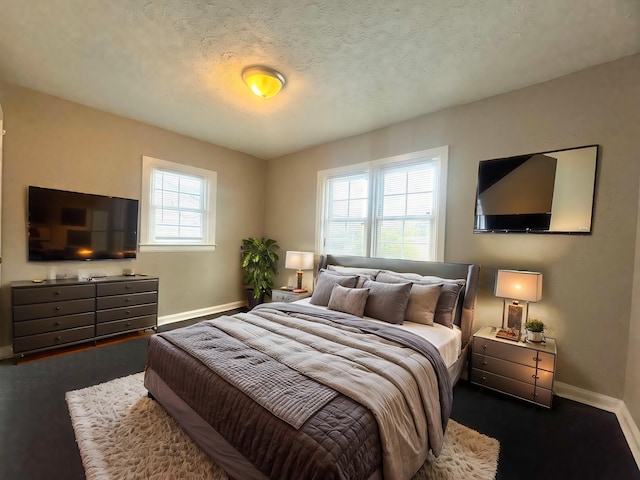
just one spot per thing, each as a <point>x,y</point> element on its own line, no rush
<point>465,314</point>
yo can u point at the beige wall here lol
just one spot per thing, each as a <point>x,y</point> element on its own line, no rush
<point>587,279</point>
<point>632,383</point>
<point>59,144</point>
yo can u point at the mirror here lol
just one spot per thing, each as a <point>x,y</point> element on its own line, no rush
<point>546,192</point>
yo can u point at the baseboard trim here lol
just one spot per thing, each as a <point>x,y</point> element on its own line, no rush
<point>6,352</point>
<point>609,404</point>
<point>201,312</point>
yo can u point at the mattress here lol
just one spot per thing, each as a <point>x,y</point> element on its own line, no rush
<point>448,341</point>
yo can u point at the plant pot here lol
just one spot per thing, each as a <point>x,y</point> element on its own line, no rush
<point>253,301</point>
<point>536,337</point>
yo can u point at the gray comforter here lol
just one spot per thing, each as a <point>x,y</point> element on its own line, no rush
<point>289,373</point>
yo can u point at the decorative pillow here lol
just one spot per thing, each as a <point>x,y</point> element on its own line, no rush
<point>348,300</point>
<point>423,300</point>
<point>372,272</point>
<point>387,301</point>
<point>447,306</point>
<point>363,273</point>
<point>324,286</point>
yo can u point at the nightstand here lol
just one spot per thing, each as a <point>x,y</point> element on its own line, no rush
<point>521,369</point>
<point>287,296</point>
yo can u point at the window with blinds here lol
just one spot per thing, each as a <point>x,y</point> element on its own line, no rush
<point>392,208</point>
<point>178,207</point>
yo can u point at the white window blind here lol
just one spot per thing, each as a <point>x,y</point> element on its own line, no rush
<point>390,208</point>
<point>178,207</point>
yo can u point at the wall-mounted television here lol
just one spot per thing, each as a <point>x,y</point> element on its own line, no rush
<point>66,225</point>
<point>545,192</point>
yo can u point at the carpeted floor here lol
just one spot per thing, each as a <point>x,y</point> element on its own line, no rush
<point>122,433</point>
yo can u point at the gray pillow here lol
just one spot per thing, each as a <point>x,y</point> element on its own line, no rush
<point>362,273</point>
<point>387,301</point>
<point>447,306</point>
<point>348,300</point>
<point>423,300</point>
<point>324,286</point>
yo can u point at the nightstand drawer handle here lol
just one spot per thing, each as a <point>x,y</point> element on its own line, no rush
<point>484,346</point>
<point>57,339</point>
<point>535,359</point>
<point>534,394</point>
<point>535,376</point>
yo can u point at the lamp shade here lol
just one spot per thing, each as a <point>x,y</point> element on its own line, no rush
<point>519,285</point>
<point>299,260</point>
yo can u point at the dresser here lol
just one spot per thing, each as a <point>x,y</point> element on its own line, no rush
<point>522,369</point>
<point>58,313</point>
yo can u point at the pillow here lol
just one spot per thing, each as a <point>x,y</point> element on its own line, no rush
<point>423,300</point>
<point>371,272</point>
<point>324,286</point>
<point>447,306</point>
<point>348,300</point>
<point>387,301</point>
<point>362,275</point>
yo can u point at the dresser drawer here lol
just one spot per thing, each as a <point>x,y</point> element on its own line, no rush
<point>134,286</point>
<point>126,312</point>
<point>53,309</point>
<point>32,327</point>
<point>516,388</point>
<point>120,326</point>
<point>512,353</point>
<point>126,300</point>
<point>24,296</point>
<point>52,339</point>
<point>512,370</point>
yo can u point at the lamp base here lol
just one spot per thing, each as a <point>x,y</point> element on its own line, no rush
<point>299,273</point>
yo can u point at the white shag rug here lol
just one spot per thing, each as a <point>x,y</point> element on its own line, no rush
<point>123,434</point>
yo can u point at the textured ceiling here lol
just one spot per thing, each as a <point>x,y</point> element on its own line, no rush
<point>351,66</point>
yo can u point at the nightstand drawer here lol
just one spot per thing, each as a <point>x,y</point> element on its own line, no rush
<point>510,352</point>
<point>512,370</point>
<point>287,296</point>
<point>502,384</point>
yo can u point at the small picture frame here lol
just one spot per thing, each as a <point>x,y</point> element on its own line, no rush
<point>514,316</point>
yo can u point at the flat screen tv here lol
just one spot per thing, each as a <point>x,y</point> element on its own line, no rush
<point>80,226</point>
<point>546,192</point>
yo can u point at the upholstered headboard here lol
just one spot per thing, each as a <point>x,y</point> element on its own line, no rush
<point>465,314</point>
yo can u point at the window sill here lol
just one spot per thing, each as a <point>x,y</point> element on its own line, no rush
<point>176,248</point>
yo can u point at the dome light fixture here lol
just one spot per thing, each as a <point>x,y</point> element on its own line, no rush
<point>265,82</point>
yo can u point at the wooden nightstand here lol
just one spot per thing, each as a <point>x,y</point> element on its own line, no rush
<point>287,296</point>
<point>523,370</point>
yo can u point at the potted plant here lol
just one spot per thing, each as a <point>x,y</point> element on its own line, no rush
<point>534,327</point>
<point>259,265</point>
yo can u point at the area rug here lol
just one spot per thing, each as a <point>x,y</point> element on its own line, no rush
<point>123,434</point>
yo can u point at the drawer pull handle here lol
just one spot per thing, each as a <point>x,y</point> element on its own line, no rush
<point>534,394</point>
<point>128,312</point>
<point>484,378</point>
<point>128,324</point>
<point>57,308</point>
<point>127,287</point>
<point>484,363</point>
<point>535,377</point>
<point>535,359</point>
<point>128,300</point>
<point>57,339</point>
<point>57,324</point>
<point>484,346</point>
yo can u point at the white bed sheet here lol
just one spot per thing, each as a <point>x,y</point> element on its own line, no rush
<point>448,341</point>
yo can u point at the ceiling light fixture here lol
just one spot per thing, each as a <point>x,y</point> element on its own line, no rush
<point>265,82</point>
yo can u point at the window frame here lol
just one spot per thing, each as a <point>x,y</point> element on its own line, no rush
<point>440,155</point>
<point>147,221</point>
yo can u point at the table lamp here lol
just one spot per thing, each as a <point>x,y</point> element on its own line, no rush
<point>519,286</point>
<point>299,261</point>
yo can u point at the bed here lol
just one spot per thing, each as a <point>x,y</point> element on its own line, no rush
<point>314,389</point>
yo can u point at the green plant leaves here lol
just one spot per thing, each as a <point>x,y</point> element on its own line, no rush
<point>259,264</point>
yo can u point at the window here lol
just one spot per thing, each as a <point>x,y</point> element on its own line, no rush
<point>390,208</point>
<point>178,207</point>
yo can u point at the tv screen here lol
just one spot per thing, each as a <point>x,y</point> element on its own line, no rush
<point>547,192</point>
<point>80,226</point>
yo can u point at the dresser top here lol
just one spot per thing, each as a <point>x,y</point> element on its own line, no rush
<point>490,334</point>
<point>76,281</point>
